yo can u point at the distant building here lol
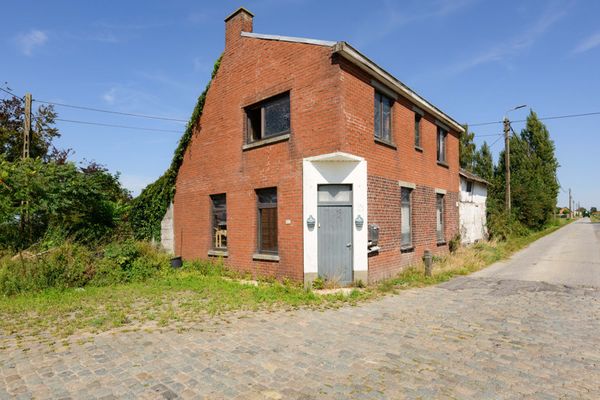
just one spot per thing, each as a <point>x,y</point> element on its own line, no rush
<point>472,209</point>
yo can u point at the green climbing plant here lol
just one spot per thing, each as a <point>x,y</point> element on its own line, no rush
<point>148,209</point>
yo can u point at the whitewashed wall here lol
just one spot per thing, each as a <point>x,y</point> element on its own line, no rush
<point>472,211</point>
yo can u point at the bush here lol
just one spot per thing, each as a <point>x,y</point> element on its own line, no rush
<point>502,226</point>
<point>74,265</point>
<point>70,265</point>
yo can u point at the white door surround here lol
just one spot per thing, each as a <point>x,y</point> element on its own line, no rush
<point>335,168</point>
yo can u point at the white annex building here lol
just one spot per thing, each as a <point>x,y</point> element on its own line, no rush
<point>472,210</point>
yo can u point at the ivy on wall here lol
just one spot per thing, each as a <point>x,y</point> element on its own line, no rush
<point>149,208</point>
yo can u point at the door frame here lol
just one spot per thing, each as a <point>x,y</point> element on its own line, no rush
<point>335,168</point>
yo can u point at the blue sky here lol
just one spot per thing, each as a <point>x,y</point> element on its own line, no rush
<point>472,58</point>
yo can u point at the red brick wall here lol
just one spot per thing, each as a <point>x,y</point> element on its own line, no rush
<point>252,70</point>
<point>331,110</point>
<point>387,166</point>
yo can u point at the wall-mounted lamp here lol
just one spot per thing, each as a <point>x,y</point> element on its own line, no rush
<point>310,222</point>
<point>359,222</point>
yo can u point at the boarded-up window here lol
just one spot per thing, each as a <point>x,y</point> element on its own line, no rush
<point>268,118</point>
<point>267,220</point>
<point>219,221</point>
<point>439,217</point>
<point>383,117</point>
<point>405,219</point>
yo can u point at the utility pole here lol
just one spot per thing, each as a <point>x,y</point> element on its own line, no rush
<point>27,126</point>
<point>507,161</point>
<point>570,207</point>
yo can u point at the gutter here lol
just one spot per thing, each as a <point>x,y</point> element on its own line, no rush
<point>356,58</point>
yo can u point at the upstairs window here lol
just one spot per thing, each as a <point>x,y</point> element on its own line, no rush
<point>268,118</point>
<point>383,117</point>
<point>219,221</point>
<point>267,220</point>
<point>441,144</point>
<point>418,130</point>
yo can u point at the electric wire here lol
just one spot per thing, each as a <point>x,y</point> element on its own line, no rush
<point>111,111</point>
<point>74,121</point>
<point>541,118</point>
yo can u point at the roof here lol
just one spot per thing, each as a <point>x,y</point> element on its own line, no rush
<point>469,175</point>
<point>375,71</point>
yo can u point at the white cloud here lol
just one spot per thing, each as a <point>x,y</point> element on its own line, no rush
<point>27,42</point>
<point>110,96</point>
<point>588,43</point>
<point>514,46</point>
<point>391,16</point>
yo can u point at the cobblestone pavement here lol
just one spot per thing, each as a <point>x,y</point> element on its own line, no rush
<point>469,338</point>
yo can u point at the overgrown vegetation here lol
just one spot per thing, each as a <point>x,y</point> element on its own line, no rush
<point>148,209</point>
<point>157,296</point>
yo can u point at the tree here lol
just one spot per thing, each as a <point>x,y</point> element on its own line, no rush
<point>593,210</point>
<point>43,131</point>
<point>40,199</point>
<point>467,149</point>
<point>483,164</point>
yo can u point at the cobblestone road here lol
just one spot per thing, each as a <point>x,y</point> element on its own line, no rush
<point>470,338</point>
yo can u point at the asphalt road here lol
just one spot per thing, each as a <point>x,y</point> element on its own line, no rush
<point>569,256</point>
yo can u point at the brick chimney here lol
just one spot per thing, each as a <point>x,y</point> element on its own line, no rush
<point>237,22</point>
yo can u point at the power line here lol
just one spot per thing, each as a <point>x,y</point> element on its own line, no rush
<point>496,141</point>
<point>11,93</point>
<point>542,118</point>
<point>111,111</point>
<point>113,125</point>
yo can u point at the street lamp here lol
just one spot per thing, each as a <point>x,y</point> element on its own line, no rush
<point>507,154</point>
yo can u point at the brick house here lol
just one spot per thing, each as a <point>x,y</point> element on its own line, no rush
<point>309,160</point>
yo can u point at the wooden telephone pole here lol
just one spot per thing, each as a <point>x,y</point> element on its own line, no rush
<point>507,161</point>
<point>27,126</point>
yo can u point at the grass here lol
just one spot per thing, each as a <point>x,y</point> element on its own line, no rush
<point>186,297</point>
<point>595,218</point>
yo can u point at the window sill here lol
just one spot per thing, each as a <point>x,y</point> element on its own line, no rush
<point>443,164</point>
<point>265,257</point>
<point>218,253</point>
<point>407,249</point>
<point>385,143</point>
<point>419,149</point>
<point>265,142</point>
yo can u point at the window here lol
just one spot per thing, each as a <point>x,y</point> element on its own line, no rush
<point>267,220</point>
<point>219,221</point>
<point>406,219</point>
<point>268,118</point>
<point>417,130</point>
<point>439,218</point>
<point>383,117</point>
<point>469,186</point>
<point>441,144</point>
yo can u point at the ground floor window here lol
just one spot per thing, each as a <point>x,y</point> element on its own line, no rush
<point>406,219</point>
<point>267,220</point>
<point>219,221</point>
<point>439,217</point>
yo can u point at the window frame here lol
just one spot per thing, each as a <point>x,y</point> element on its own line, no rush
<point>442,136</point>
<point>440,205</point>
<point>380,123</point>
<point>469,187</point>
<point>213,221</point>
<point>259,207</point>
<point>261,105</point>
<point>409,245</point>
